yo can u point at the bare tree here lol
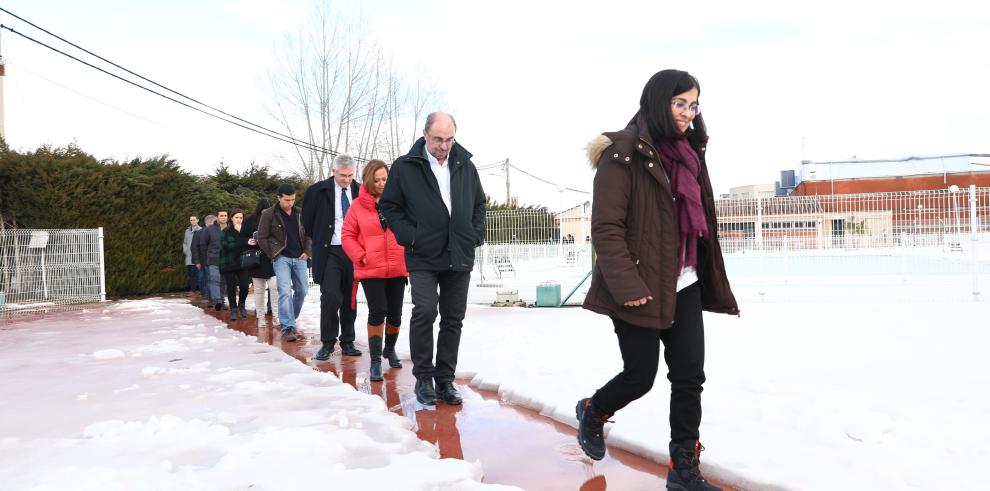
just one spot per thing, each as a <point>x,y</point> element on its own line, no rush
<point>336,89</point>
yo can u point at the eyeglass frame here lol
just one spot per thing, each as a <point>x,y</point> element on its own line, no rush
<point>682,105</point>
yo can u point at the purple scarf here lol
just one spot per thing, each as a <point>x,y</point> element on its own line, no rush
<point>682,165</point>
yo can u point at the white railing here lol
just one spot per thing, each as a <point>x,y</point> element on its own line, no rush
<point>44,269</point>
<point>899,238</point>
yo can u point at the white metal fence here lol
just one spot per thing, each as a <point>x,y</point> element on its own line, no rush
<point>44,269</point>
<point>927,240</point>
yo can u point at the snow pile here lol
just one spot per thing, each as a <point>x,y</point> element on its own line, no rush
<point>112,399</point>
<point>800,395</point>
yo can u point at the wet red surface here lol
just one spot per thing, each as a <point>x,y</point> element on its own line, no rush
<point>515,445</point>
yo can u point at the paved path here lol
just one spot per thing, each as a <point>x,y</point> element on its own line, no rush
<point>515,445</point>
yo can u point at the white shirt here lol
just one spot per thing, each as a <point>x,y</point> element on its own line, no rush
<point>442,172</point>
<point>338,221</point>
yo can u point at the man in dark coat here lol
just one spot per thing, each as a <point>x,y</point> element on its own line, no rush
<point>435,205</point>
<point>324,207</point>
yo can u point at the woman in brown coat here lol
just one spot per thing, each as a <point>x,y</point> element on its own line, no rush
<point>658,265</point>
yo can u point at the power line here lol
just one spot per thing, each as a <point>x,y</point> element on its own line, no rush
<point>70,89</point>
<point>548,182</point>
<point>292,141</point>
<point>284,137</point>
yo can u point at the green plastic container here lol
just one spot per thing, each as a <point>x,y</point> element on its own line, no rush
<point>548,294</point>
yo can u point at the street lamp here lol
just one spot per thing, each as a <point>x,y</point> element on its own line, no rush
<point>955,211</point>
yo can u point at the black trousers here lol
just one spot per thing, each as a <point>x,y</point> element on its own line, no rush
<point>384,297</point>
<point>193,277</point>
<point>336,315</point>
<point>446,290</point>
<point>684,353</point>
<point>235,280</point>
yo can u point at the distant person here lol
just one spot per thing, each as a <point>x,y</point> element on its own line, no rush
<point>210,257</point>
<point>199,258</point>
<point>222,222</point>
<point>187,250</point>
<point>324,209</point>
<point>379,265</point>
<point>435,206</point>
<point>282,237</point>
<point>263,276</point>
<point>659,265</point>
<point>231,247</point>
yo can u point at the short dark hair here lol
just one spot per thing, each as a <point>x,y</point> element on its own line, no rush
<point>285,190</point>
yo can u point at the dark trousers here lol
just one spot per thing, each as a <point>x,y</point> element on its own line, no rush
<point>446,290</point>
<point>684,352</point>
<point>384,297</point>
<point>193,277</point>
<point>235,280</point>
<point>336,315</point>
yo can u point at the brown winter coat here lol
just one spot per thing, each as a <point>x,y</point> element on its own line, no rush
<point>272,236</point>
<point>634,231</point>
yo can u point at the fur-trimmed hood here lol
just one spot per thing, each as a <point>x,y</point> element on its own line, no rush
<point>596,148</point>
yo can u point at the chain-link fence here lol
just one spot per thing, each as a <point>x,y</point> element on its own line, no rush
<point>45,269</point>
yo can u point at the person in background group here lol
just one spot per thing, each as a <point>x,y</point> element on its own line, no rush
<point>209,247</point>
<point>187,249</point>
<point>262,275</point>
<point>231,247</point>
<point>379,265</point>
<point>435,206</point>
<point>659,265</point>
<point>222,221</point>
<point>199,258</point>
<point>324,208</point>
<point>282,237</point>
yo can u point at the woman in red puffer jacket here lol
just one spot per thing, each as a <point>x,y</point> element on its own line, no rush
<point>379,265</point>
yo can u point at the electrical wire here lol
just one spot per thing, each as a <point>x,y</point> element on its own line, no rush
<point>548,182</point>
<point>292,141</point>
<point>295,141</point>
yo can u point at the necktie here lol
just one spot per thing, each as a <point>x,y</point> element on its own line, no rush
<point>344,203</point>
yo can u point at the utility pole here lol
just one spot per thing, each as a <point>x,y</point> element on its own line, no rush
<point>508,194</point>
<point>3,131</point>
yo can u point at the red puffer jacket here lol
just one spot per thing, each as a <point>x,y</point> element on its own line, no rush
<point>373,248</point>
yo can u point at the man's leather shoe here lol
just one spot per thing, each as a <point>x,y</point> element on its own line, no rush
<point>425,393</point>
<point>349,349</point>
<point>324,353</point>
<point>447,394</point>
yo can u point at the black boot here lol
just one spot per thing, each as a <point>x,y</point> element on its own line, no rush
<point>447,393</point>
<point>389,352</point>
<point>324,353</point>
<point>375,349</point>
<point>591,429</point>
<point>683,473</point>
<point>425,393</point>
<point>348,349</point>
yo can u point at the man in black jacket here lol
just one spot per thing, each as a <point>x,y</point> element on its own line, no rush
<point>434,204</point>
<point>324,208</point>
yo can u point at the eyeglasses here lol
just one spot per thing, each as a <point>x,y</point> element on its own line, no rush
<point>682,105</point>
<point>441,141</point>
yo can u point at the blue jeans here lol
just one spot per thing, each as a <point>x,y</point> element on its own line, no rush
<point>292,279</point>
<point>213,279</point>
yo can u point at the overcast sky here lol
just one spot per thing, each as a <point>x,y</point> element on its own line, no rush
<point>529,81</point>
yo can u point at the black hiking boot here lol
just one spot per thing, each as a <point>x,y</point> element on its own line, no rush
<point>683,473</point>
<point>348,349</point>
<point>324,353</point>
<point>425,393</point>
<point>289,334</point>
<point>591,427</point>
<point>447,393</point>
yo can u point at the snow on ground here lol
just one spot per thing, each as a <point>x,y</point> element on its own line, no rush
<point>873,391</point>
<point>855,381</point>
<point>156,395</point>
